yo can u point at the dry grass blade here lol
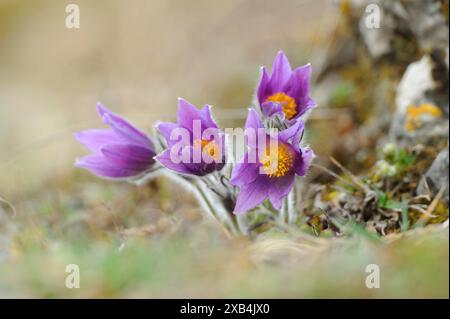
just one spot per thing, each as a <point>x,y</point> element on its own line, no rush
<point>428,213</point>
<point>326,170</point>
<point>10,205</point>
<point>353,177</point>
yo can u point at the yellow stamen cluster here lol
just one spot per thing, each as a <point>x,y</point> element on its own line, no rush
<point>414,112</point>
<point>278,163</point>
<point>209,148</point>
<point>288,104</point>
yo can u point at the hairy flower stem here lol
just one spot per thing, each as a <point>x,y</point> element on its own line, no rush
<point>291,203</point>
<point>283,215</point>
<point>214,202</point>
<point>215,207</point>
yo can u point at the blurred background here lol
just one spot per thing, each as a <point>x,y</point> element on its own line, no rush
<point>135,57</point>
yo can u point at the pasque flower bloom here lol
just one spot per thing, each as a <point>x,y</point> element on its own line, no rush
<point>285,91</point>
<point>122,151</point>
<point>263,174</point>
<point>196,133</point>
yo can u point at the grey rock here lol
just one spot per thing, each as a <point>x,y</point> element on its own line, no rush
<point>419,87</point>
<point>378,41</point>
<point>423,21</point>
<point>436,177</point>
<point>427,22</point>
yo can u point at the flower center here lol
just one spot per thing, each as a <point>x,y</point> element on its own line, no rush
<point>279,163</point>
<point>287,103</point>
<point>209,148</point>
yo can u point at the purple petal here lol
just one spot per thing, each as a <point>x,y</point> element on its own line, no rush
<point>272,108</point>
<point>201,167</point>
<point>302,163</point>
<point>187,114</point>
<point>253,121</point>
<point>129,156</point>
<point>253,129</point>
<point>165,159</point>
<point>296,131</point>
<point>251,195</point>
<point>123,128</point>
<point>102,110</point>
<point>263,90</point>
<point>207,119</point>
<point>297,138</point>
<point>96,138</point>
<point>281,72</point>
<point>280,188</point>
<point>245,172</point>
<point>298,87</point>
<point>166,129</point>
<point>306,105</point>
<point>100,166</point>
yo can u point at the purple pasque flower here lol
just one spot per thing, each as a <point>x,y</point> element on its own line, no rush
<point>123,151</point>
<point>195,144</point>
<point>285,91</point>
<point>268,169</point>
